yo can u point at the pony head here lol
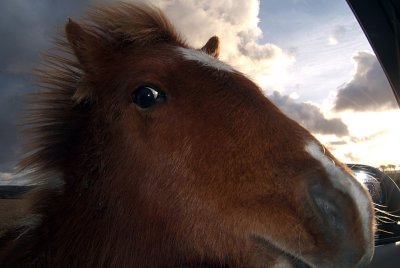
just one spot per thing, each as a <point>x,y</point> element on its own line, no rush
<point>170,157</point>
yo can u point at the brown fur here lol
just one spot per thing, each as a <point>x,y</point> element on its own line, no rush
<point>216,175</point>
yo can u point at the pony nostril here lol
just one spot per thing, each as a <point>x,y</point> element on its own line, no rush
<point>326,206</point>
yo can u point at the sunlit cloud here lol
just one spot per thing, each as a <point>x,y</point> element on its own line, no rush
<point>369,88</point>
<point>351,158</point>
<point>294,95</point>
<point>372,139</point>
<point>9,178</point>
<point>309,116</point>
<point>236,24</point>
<point>332,40</point>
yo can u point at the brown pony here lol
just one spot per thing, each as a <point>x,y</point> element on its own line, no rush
<point>149,153</point>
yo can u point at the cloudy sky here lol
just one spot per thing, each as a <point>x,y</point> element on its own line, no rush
<point>309,56</point>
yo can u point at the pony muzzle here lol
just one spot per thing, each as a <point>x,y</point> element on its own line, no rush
<point>340,225</point>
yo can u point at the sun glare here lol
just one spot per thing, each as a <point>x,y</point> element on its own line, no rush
<point>373,138</point>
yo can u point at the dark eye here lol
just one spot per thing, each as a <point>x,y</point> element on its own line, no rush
<point>146,96</point>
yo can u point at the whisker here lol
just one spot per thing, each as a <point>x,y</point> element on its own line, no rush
<point>386,220</point>
<point>379,205</point>
<point>387,213</point>
<point>384,231</point>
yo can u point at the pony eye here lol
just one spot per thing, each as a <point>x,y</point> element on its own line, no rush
<point>145,96</point>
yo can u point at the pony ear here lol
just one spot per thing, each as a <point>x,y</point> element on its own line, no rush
<point>212,47</point>
<point>82,42</point>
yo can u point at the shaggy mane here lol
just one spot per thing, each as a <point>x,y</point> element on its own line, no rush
<point>135,23</point>
<point>54,119</point>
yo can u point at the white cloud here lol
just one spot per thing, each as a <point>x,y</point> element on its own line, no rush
<point>8,178</point>
<point>369,88</point>
<point>332,40</point>
<point>337,35</point>
<point>372,139</point>
<point>236,24</point>
<point>294,96</point>
<point>309,116</point>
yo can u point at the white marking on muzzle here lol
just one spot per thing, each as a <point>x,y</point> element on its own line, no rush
<point>343,182</point>
<point>204,59</point>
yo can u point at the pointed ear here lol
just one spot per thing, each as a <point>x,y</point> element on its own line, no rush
<point>82,42</point>
<point>212,47</point>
